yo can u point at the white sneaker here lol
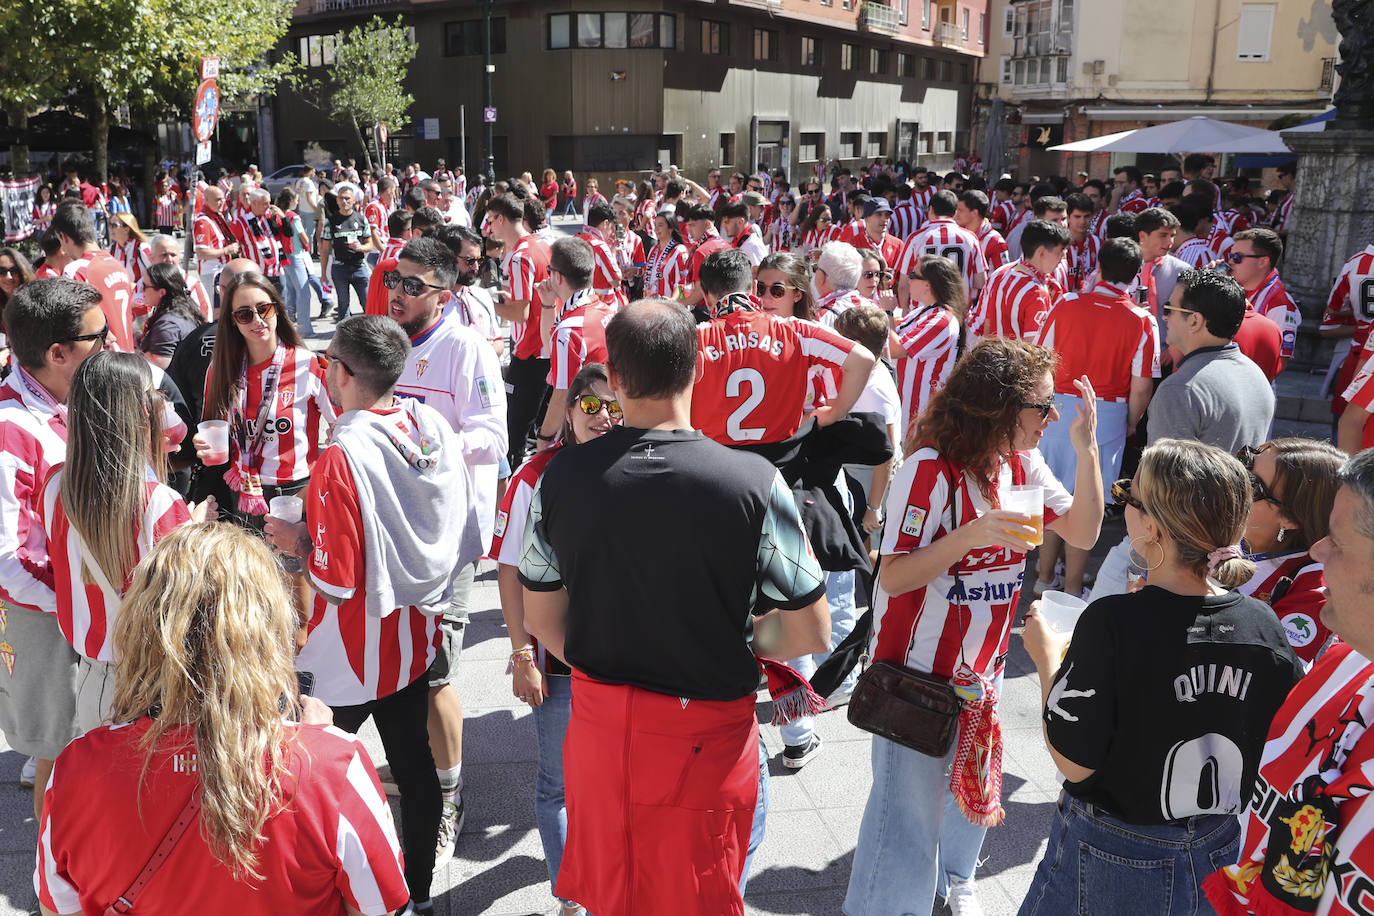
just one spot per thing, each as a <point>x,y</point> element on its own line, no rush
<point>450,824</point>
<point>962,900</point>
<point>28,773</point>
<point>1054,584</point>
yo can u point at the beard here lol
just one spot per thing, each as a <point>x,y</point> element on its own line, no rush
<point>467,279</point>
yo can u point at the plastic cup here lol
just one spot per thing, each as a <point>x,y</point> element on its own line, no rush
<point>1061,610</point>
<point>216,436</point>
<point>286,508</point>
<point>1028,500</point>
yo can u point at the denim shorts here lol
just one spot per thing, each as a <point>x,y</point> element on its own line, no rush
<point>1096,864</point>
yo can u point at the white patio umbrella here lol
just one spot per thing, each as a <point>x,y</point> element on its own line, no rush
<point>1271,142</point>
<point>1191,135</point>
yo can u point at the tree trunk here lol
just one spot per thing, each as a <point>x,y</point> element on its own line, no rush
<point>100,137</point>
<point>19,152</point>
<point>367,154</point>
<point>150,152</point>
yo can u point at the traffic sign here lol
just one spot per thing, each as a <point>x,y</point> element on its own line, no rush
<point>202,153</point>
<point>489,115</point>
<point>205,111</point>
<point>209,68</point>
<point>381,133</point>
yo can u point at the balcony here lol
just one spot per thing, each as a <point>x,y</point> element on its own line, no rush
<point>1328,74</point>
<point>879,17</point>
<point>345,6</point>
<point>947,33</point>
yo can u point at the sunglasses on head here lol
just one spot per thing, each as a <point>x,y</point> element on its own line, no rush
<point>262,310</point>
<point>591,405</point>
<point>1122,495</point>
<point>1044,407</point>
<point>411,286</point>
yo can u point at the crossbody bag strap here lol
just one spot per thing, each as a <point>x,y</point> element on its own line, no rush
<point>185,819</point>
<point>956,484</point>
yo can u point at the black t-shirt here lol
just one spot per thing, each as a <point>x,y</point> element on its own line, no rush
<point>1168,698</point>
<point>339,230</point>
<point>667,543</point>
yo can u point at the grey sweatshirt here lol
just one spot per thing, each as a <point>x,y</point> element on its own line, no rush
<point>1216,395</point>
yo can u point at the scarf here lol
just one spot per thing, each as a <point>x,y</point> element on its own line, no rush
<point>1308,799</point>
<point>975,779</point>
<point>791,693</point>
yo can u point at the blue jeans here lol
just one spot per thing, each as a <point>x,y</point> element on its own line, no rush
<point>349,278</point>
<point>913,838</point>
<point>839,593</point>
<point>1096,863</point>
<point>296,291</point>
<point>550,812</point>
<point>760,817</point>
<point>319,291</point>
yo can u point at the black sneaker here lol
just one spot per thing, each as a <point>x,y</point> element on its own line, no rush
<point>796,756</point>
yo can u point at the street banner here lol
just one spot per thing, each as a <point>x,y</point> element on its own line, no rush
<point>19,198</point>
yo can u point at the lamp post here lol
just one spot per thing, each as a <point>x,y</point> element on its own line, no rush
<point>487,72</point>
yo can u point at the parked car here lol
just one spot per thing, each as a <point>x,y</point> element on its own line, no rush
<point>283,177</point>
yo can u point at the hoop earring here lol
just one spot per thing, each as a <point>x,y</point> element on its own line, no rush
<point>1143,563</point>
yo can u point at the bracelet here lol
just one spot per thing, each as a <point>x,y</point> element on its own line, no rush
<point>524,653</point>
<point>543,438</point>
<point>878,509</point>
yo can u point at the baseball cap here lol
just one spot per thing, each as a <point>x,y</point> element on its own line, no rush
<point>876,205</point>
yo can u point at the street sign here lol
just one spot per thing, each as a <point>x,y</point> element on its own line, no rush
<point>427,129</point>
<point>209,68</point>
<point>205,111</point>
<point>202,153</point>
<point>381,133</point>
<point>489,115</point>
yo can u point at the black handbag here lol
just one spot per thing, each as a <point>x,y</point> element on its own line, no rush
<point>912,708</point>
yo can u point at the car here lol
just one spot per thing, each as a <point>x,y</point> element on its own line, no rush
<point>286,176</point>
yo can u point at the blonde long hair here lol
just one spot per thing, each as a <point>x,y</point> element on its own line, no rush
<point>203,641</point>
<point>114,424</point>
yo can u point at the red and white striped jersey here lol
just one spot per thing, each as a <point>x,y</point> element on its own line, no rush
<point>1019,218</point>
<point>713,197</point>
<point>42,216</point>
<point>922,628</point>
<point>104,816</point>
<point>606,275</point>
<point>703,250</point>
<point>291,442</point>
<point>993,245</point>
<point>1013,304</point>
<point>508,544</point>
<point>524,268</point>
<point>943,237</point>
<point>1101,334</point>
<point>33,440</point>
<point>665,270</point>
<point>377,213</point>
<point>836,304</point>
<point>1284,214</point>
<point>85,611</point>
<point>1360,393</point>
<point>1099,225</point>
<point>907,218</point>
<point>1078,263</point>
<point>209,232</point>
<point>1133,202</point>
<point>197,291</point>
<point>1195,253</point>
<point>1232,221</point>
<point>1271,300</point>
<point>930,344</point>
<point>752,374</point>
<point>1299,607</point>
<point>354,656</point>
<point>921,198</point>
<point>645,211</point>
<point>579,338</point>
<point>135,257</point>
<point>101,270</point>
<point>1002,215</point>
<point>1352,296</point>
<point>816,238</point>
<point>167,205</point>
<point>630,250</point>
<point>258,242</point>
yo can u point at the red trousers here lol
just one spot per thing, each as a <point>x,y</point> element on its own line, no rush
<point>660,800</point>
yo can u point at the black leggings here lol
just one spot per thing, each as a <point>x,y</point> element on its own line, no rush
<point>402,720</point>
<point>527,394</point>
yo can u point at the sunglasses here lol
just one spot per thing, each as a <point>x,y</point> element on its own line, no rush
<point>471,262</point>
<point>824,219</point>
<point>1259,491</point>
<point>331,358</point>
<point>1121,494</point>
<point>98,335</point>
<point>411,286</point>
<point>10,272</point>
<point>1236,257</point>
<point>1044,407</point>
<point>1179,309</point>
<point>262,310</point>
<point>776,291</point>
<point>870,274</point>
<point>591,405</point>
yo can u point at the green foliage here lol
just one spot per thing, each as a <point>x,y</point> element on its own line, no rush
<point>370,65</point>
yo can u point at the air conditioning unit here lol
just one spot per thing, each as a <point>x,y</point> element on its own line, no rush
<point>1099,67</point>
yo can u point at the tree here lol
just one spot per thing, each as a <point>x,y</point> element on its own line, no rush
<point>373,59</point>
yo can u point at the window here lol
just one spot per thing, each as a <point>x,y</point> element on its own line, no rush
<point>1061,71</point>
<point>877,144</point>
<point>906,65</point>
<point>581,30</point>
<point>765,44</point>
<point>811,52</point>
<point>1255,32</point>
<point>560,31</point>
<point>927,68</point>
<point>1009,21</point>
<point>1066,15</point>
<point>715,37</point>
<point>1033,71</point>
<point>905,10</point>
<point>848,53</point>
<point>878,61</point>
<point>1020,79</point>
<point>589,30</point>
<point>849,144</point>
<point>312,50</point>
<point>982,26</point>
<point>465,38</point>
<point>617,29</point>
<point>667,30</point>
<point>727,148</point>
<point>946,71</point>
<point>327,46</point>
<point>963,26</point>
<point>942,142</point>
<point>1006,70</point>
<point>925,14</point>
<point>927,142</point>
<point>811,147</point>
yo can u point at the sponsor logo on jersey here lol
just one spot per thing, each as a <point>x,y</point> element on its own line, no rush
<point>321,559</point>
<point>913,520</point>
<point>501,519</point>
<point>484,392</point>
<point>1301,629</point>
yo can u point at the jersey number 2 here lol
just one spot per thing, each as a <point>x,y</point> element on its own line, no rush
<point>734,425</point>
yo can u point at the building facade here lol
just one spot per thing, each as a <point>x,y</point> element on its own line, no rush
<point>616,88</point>
<point>1068,70</point>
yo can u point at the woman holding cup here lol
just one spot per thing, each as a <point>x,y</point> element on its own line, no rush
<point>948,586</point>
<point>268,390</point>
<point>1157,711</point>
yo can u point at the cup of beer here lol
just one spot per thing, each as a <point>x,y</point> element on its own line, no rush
<point>216,436</point>
<point>1028,500</point>
<point>1061,610</point>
